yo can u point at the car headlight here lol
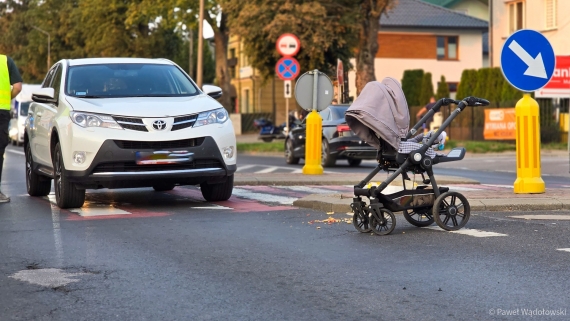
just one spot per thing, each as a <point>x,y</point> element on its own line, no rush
<point>216,116</point>
<point>94,120</point>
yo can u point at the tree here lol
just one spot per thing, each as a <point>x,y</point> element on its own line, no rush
<point>369,25</point>
<point>411,84</point>
<point>467,83</point>
<point>324,27</point>
<point>442,89</point>
<point>426,91</point>
<point>509,95</point>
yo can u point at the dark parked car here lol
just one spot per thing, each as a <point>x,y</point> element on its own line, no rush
<point>339,142</point>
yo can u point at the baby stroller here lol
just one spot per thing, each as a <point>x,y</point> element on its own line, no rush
<point>380,117</point>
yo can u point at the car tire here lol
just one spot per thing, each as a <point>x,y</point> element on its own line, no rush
<point>218,192</point>
<point>66,193</point>
<point>327,160</point>
<point>36,185</point>
<point>163,187</point>
<point>289,158</point>
<point>267,140</point>
<point>354,162</point>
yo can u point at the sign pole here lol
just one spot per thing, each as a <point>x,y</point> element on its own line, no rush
<point>287,115</point>
<point>314,140</point>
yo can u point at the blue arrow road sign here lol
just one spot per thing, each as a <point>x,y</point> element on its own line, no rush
<point>287,68</point>
<point>527,60</point>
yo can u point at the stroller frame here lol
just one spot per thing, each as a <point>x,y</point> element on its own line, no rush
<point>429,204</point>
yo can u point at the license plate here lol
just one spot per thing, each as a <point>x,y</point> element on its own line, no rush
<point>163,157</point>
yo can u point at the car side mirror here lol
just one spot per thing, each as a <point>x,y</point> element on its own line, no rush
<point>44,95</point>
<point>212,91</point>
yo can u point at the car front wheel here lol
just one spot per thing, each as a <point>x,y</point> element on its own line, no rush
<point>289,158</point>
<point>218,192</point>
<point>66,194</point>
<point>36,185</point>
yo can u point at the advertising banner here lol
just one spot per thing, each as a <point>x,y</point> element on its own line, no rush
<point>500,124</point>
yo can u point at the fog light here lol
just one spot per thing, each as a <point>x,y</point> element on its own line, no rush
<point>228,152</point>
<point>79,157</point>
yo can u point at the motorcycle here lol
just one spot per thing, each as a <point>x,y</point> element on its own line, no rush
<point>268,132</point>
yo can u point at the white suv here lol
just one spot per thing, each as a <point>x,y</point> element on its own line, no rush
<point>126,122</point>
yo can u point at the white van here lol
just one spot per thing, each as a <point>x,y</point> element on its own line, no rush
<point>19,112</point>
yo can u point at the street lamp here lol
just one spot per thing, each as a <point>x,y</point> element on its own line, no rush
<point>49,45</point>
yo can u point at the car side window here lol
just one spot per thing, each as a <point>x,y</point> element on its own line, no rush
<point>56,83</point>
<point>47,80</point>
<point>325,114</point>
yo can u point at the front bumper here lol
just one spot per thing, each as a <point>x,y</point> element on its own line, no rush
<point>114,165</point>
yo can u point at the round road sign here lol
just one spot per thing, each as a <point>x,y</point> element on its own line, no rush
<point>288,45</point>
<point>304,90</point>
<point>287,68</point>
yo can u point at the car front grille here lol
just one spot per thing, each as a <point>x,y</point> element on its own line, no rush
<point>184,122</point>
<point>133,167</point>
<point>131,123</point>
<point>184,143</point>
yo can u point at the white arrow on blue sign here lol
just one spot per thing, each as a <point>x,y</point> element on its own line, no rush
<point>527,60</point>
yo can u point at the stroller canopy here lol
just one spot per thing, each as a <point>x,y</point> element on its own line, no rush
<point>380,112</point>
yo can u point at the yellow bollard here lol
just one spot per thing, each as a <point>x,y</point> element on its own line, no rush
<point>528,147</point>
<point>313,141</point>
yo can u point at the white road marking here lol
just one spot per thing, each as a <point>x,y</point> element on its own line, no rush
<point>57,240</point>
<point>495,185</point>
<point>90,209</point>
<point>16,152</point>
<point>268,170</point>
<point>269,198</point>
<point>52,278</point>
<point>308,190</point>
<point>462,188</point>
<point>213,207</point>
<point>470,232</point>
<point>566,250</point>
<point>241,168</point>
<point>544,217</point>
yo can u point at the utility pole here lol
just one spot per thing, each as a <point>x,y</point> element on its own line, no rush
<point>200,44</point>
<point>49,45</point>
<point>190,50</point>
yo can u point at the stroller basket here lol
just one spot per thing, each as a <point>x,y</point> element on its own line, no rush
<point>380,116</point>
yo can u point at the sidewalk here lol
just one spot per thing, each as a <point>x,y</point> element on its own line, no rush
<point>480,197</point>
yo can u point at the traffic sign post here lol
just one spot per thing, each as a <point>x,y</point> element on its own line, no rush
<point>527,62</point>
<point>313,92</point>
<point>287,94</point>
<point>340,80</point>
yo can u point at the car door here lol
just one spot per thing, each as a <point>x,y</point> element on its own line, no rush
<point>44,115</point>
<point>299,133</point>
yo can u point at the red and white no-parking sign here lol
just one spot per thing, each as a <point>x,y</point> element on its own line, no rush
<point>288,45</point>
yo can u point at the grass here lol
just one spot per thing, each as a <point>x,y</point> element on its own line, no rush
<point>275,146</point>
<point>497,147</point>
<point>470,146</point>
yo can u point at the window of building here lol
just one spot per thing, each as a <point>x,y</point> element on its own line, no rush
<point>447,48</point>
<point>516,16</point>
<point>550,7</point>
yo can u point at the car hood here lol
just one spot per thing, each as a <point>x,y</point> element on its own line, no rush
<point>145,106</point>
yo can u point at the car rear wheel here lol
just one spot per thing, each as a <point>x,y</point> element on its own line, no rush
<point>163,187</point>
<point>354,161</point>
<point>218,192</point>
<point>36,185</point>
<point>66,193</point>
<point>327,160</point>
<point>289,158</point>
<point>267,139</point>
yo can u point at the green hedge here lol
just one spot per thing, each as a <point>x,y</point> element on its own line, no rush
<point>411,85</point>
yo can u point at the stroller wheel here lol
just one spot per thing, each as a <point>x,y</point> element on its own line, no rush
<point>420,217</point>
<point>451,211</point>
<point>361,221</point>
<point>382,221</point>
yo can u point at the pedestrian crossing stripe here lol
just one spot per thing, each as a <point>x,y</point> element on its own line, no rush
<point>467,231</point>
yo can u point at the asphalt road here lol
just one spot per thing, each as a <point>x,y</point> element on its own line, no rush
<point>490,169</point>
<point>176,257</point>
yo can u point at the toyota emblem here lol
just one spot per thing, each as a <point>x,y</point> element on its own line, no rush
<point>159,124</point>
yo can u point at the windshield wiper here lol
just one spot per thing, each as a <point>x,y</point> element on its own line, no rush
<point>89,96</point>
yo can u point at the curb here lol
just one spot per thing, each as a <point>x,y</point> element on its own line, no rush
<point>341,203</point>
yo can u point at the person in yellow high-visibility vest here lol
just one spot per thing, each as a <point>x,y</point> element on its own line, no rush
<point>10,87</point>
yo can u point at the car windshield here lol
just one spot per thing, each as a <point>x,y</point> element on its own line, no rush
<point>24,108</point>
<point>128,80</point>
<point>338,111</point>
